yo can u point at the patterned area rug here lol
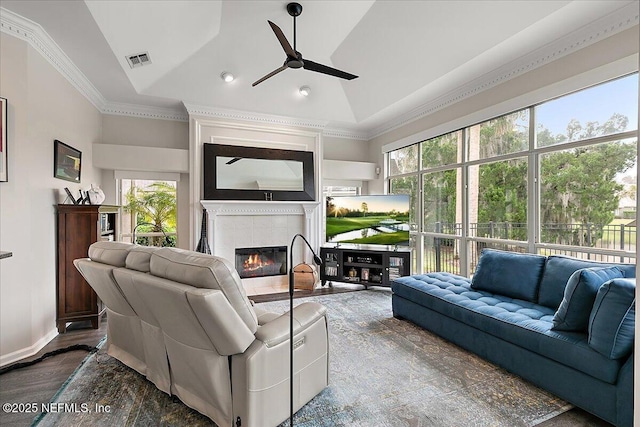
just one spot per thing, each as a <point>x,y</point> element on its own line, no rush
<point>383,372</point>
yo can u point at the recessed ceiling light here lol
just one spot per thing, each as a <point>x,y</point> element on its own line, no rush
<point>305,91</point>
<point>227,77</point>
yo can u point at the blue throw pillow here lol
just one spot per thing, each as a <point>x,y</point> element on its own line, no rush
<point>559,268</point>
<point>579,296</point>
<point>611,323</point>
<point>511,274</point>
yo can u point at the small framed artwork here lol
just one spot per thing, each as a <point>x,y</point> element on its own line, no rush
<point>364,275</point>
<point>66,162</point>
<point>4,177</point>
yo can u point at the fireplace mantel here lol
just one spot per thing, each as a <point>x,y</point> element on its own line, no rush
<point>251,207</point>
<point>218,208</point>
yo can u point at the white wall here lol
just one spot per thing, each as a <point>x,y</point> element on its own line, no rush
<point>143,132</point>
<point>345,149</point>
<point>43,106</point>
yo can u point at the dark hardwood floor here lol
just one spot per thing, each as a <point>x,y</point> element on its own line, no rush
<point>40,382</point>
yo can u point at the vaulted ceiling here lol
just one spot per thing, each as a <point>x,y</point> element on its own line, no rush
<point>408,54</point>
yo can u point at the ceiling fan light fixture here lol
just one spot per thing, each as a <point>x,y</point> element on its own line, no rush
<point>305,91</point>
<point>227,76</point>
<point>294,58</point>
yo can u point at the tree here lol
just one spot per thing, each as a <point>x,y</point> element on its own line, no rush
<point>155,205</point>
<point>577,185</point>
<point>365,208</point>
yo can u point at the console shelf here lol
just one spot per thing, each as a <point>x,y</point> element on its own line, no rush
<point>366,265</point>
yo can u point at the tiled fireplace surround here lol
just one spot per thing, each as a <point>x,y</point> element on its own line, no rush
<point>240,224</point>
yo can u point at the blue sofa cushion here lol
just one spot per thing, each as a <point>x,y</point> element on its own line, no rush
<point>611,323</point>
<point>519,322</point>
<point>514,275</point>
<point>579,296</point>
<point>557,271</point>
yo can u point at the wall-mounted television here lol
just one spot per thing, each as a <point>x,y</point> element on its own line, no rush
<point>373,220</point>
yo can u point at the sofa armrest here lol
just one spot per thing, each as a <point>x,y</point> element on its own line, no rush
<point>264,316</point>
<point>277,331</point>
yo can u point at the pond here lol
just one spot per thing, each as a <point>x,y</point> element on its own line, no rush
<point>368,232</point>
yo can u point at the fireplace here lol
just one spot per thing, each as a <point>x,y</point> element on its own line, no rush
<point>261,262</point>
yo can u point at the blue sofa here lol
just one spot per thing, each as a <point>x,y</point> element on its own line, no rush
<point>564,324</point>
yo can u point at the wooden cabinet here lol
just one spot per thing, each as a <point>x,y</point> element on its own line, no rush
<point>364,264</point>
<point>78,227</point>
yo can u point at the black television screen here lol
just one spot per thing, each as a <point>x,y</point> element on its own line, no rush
<point>375,220</point>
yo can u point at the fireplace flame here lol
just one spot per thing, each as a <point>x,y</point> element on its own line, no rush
<point>255,262</point>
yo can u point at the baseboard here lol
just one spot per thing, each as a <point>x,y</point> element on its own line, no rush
<point>29,351</point>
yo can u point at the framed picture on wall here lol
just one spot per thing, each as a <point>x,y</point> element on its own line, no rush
<point>4,177</point>
<point>66,162</point>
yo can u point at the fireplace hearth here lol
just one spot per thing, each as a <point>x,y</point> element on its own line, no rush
<point>261,261</point>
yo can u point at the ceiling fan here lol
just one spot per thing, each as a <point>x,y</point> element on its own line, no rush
<point>294,58</point>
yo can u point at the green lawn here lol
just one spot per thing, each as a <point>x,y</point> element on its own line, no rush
<point>611,235</point>
<point>342,225</point>
<point>383,238</point>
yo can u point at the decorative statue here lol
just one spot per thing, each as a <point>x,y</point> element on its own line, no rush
<point>96,195</point>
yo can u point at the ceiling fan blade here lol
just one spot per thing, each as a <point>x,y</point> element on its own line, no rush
<point>271,74</point>
<point>283,40</point>
<point>314,66</point>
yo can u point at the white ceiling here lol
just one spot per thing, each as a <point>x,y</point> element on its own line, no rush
<point>408,54</point>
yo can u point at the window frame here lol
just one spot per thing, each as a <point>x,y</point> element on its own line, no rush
<point>533,155</point>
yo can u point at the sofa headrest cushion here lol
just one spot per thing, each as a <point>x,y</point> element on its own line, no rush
<point>557,272</point>
<point>111,253</point>
<point>612,319</point>
<point>579,296</point>
<point>139,258</point>
<point>514,275</point>
<point>204,271</point>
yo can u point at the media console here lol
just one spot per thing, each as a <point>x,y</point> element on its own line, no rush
<point>367,265</point>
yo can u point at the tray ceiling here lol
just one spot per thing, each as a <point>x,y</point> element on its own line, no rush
<point>407,53</point>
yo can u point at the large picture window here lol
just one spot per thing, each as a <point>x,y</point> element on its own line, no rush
<point>554,178</point>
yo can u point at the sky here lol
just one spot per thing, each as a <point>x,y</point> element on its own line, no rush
<point>385,203</point>
<point>598,103</point>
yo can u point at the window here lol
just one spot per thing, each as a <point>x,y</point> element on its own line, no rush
<point>498,200</point>
<point>341,191</point>
<point>443,150</point>
<point>149,212</point>
<point>498,137</point>
<point>571,191</point>
<point>439,206</point>
<point>404,160</point>
<point>407,185</point>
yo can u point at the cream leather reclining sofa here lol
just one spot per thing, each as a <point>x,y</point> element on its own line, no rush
<point>183,320</point>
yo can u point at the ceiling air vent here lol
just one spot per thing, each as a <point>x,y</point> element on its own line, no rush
<point>139,59</point>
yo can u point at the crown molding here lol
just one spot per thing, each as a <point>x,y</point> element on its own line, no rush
<point>144,111</point>
<point>616,22</point>
<point>346,133</point>
<point>31,32</point>
<point>229,114</point>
